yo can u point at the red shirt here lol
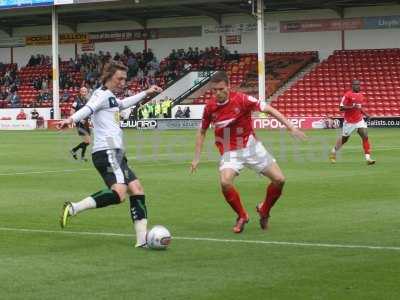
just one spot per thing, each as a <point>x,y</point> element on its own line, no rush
<point>232,120</point>
<point>21,116</point>
<point>353,115</point>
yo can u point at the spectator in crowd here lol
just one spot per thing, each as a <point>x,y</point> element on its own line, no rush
<point>3,93</point>
<point>65,96</point>
<point>181,54</point>
<point>44,96</point>
<point>40,97</point>
<point>235,56</point>
<point>13,88</point>
<point>31,61</point>
<point>21,115</point>
<point>196,54</point>
<point>34,114</point>
<point>186,113</point>
<point>117,56</point>
<point>17,80</point>
<point>14,99</point>
<point>133,66</point>
<point>157,109</point>
<point>91,87</point>
<point>39,60</point>
<point>148,55</point>
<point>190,55</point>
<point>45,84</point>
<point>145,112</point>
<point>171,76</point>
<point>127,51</point>
<point>166,107</point>
<point>224,53</point>
<point>133,115</point>
<point>153,67</point>
<point>39,120</point>
<point>8,80</point>
<point>128,93</point>
<point>173,56</point>
<point>37,83</point>
<point>179,113</point>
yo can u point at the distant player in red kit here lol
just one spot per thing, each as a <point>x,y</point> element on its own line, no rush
<point>352,104</point>
<point>230,113</point>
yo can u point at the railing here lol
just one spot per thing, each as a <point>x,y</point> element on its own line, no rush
<point>206,77</point>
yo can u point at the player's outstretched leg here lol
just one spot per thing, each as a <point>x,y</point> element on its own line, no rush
<point>339,143</point>
<point>85,144</point>
<point>75,149</point>
<point>138,212</point>
<point>100,199</point>
<point>232,197</point>
<point>366,146</point>
<point>84,147</point>
<point>274,191</point>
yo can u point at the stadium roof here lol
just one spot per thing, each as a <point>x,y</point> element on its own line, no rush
<point>142,10</point>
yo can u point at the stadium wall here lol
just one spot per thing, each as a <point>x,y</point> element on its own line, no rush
<point>379,38</point>
<point>109,26</point>
<point>22,54</point>
<point>324,42</point>
<point>13,112</point>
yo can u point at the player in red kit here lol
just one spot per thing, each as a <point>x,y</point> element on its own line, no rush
<point>230,114</point>
<point>352,104</point>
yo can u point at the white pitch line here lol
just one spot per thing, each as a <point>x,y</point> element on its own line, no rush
<point>204,239</point>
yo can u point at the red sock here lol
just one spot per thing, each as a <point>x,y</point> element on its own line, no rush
<point>366,146</point>
<point>273,194</point>
<point>233,198</point>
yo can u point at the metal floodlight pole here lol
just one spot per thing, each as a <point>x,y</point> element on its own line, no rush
<point>261,49</point>
<point>54,50</point>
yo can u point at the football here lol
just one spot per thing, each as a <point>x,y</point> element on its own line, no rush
<point>158,238</point>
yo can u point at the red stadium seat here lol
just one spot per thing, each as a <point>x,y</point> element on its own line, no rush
<point>379,71</point>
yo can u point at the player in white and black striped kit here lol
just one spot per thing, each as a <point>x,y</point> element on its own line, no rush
<point>82,126</point>
<point>108,153</point>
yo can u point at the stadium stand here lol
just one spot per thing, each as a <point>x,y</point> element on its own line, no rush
<point>280,67</point>
<point>316,94</point>
<point>144,70</point>
<point>319,92</point>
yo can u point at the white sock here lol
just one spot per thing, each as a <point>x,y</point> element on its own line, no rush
<point>82,205</point>
<point>333,150</point>
<point>141,231</point>
<point>367,156</point>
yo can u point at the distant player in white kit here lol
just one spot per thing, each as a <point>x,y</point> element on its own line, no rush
<point>108,153</point>
<point>352,104</point>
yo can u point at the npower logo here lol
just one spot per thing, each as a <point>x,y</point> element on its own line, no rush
<point>275,124</point>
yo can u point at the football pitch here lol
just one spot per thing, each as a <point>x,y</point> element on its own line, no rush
<point>334,234</point>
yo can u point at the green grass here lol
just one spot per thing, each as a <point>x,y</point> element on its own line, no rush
<point>345,204</point>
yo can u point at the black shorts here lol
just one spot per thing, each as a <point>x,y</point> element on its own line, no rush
<point>82,129</point>
<point>113,167</point>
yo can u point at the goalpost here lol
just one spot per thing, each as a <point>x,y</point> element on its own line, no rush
<point>261,49</point>
<point>56,67</point>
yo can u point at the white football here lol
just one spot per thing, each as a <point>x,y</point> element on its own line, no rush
<point>158,237</point>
